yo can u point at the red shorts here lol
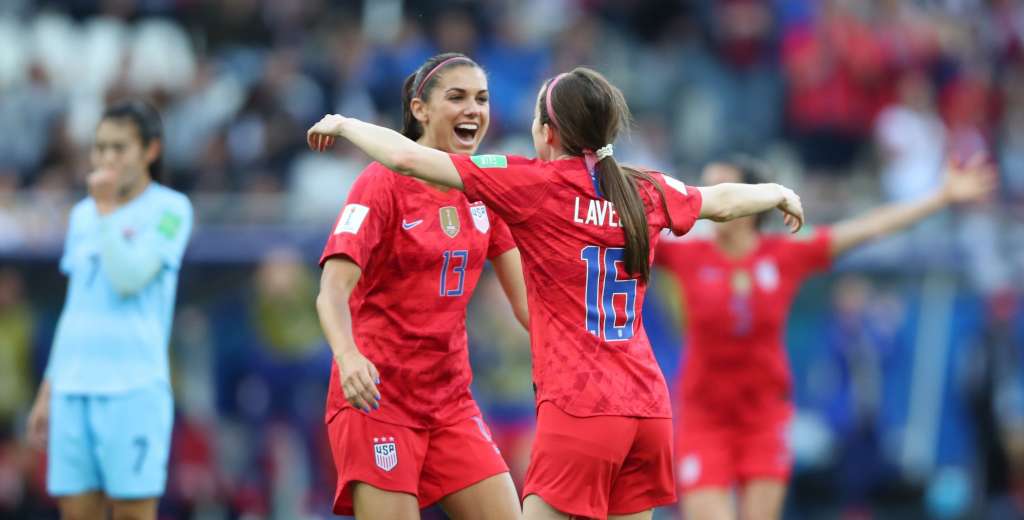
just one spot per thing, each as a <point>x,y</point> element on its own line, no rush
<point>429,464</point>
<point>724,456</point>
<point>596,466</point>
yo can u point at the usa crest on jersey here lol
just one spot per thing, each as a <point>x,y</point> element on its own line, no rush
<point>480,220</point>
<point>385,453</point>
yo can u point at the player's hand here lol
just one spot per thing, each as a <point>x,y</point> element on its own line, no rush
<point>359,380</point>
<point>322,135</point>
<point>792,208</point>
<point>970,181</point>
<point>39,420</point>
<point>102,185</point>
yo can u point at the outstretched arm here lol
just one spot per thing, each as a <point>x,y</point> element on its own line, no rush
<point>388,147</point>
<point>728,201</point>
<point>970,182</point>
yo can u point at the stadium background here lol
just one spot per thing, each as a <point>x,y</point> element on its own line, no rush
<point>908,358</point>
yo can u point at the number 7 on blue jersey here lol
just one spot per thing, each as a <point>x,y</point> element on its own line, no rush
<point>603,284</point>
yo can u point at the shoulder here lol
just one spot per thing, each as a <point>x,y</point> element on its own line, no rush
<point>781,244</point>
<point>377,170</point>
<point>379,175</point>
<point>652,181</point>
<point>172,198</point>
<point>170,207</point>
<point>82,209</point>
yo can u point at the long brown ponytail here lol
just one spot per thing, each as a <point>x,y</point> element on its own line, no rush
<point>588,112</point>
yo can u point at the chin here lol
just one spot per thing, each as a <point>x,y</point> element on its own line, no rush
<point>464,149</point>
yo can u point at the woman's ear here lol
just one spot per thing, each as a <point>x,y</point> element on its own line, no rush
<point>153,151</point>
<point>419,110</point>
<point>549,134</point>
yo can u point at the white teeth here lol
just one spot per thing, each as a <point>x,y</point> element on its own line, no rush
<point>467,126</point>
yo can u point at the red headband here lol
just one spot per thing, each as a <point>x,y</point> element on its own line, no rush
<point>419,90</point>
<point>547,100</point>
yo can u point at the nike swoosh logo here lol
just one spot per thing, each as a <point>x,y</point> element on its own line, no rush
<point>409,225</point>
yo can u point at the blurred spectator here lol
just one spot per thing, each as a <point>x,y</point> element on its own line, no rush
<point>849,386</point>
<point>30,111</point>
<point>995,392</point>
<point>834,68</point>
<point>1011,156</point>
<point>17,330</point>
<point>912,140</point>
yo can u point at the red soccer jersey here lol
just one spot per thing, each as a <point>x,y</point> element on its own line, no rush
<point>590,352</point>
<point>736,366</point>
<point>421,252</point>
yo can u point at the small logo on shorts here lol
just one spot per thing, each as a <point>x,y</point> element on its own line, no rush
<point>689,469</point>
<point>385,454</point>
<point>486,434</point>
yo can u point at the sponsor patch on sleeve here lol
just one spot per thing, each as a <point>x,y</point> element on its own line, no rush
<point>351,219</point>
<point>490,161</point>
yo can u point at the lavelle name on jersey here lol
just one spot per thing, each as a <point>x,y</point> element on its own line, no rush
<point>598,213</point>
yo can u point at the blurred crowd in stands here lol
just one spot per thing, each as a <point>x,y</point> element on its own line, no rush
<point>855,103</point>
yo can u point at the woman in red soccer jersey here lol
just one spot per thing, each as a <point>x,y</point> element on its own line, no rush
<point>735,385</point>
<point>585,225</point>
<point>398,271</point>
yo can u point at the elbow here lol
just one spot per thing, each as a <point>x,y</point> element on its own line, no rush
<point>403,162</point>
<point>723,215</point>
<point>330,300</point>
<point>524,318</point>
<point>724,212</point>
<point>323,302</point>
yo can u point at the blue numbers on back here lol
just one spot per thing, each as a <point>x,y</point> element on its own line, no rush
<point>603,284</point>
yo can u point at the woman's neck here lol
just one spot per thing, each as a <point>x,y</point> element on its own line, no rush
<point>737,244</point>
<point>129,192</point>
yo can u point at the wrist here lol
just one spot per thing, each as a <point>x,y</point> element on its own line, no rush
<point>345,350</point>
<point>345,126</point>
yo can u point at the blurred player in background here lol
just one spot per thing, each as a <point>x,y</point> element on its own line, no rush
<point>104,410</point>
<point>586,226</point>
<point>399,269</point>
<point>734,398</point>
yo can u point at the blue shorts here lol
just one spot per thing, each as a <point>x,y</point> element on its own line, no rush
<point>118,443</point>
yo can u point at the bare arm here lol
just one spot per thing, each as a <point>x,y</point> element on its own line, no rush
<point>728,201</point>
<point>509,268</point>
<point>39,417</point>
<point>972,182</point>
<point>388,147</point>
<point>359,376</point>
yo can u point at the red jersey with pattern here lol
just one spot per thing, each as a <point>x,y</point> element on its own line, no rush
<point>591,355</point>
<point>421,251</point>
<point>735,366</point>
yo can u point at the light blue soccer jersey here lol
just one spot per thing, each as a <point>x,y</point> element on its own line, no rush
<point>107,342</point>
